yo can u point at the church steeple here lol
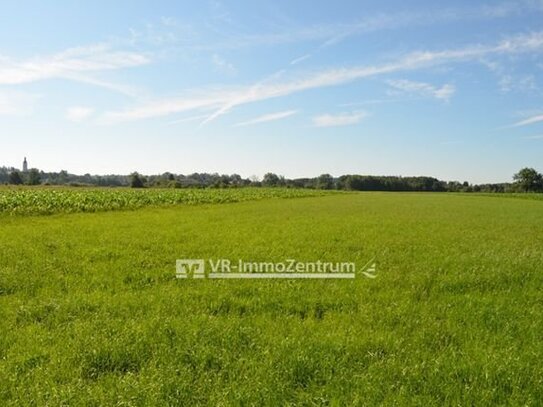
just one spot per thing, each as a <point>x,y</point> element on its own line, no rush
<point>25,165</point>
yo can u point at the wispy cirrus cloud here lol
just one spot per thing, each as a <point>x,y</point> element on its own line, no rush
<point>16,103</point>
<point>298,60</point>
<point>342,119</point>
<point>223,65</point>
<point>222,101</point>
<point>416,60</point>
<point>390,21</point>
<point>201,101</point>
<point>268,118</point>
<point>187,119</point>
<point>331,34</point>
<point>70,64</point>
<point>79,113</point>
<point>123,89</point>
<point>530,120</point>
<point>508,80</point>
<point>444,92</point>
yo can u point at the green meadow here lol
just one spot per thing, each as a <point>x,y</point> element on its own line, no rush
<point>91,312</point>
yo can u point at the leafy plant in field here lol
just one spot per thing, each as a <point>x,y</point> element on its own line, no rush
<point>49,201</point>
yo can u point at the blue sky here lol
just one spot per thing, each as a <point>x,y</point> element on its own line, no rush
<point>300,88</point>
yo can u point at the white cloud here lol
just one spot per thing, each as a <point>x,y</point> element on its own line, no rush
<point>416,60</point>
<point>342,119</point>
<point>508,80</point>
<point>521,83</point>
<point>391,21</point>
<point>330,34</point>
<point>222,65</point>
<point>127,90</point>
<point>188,119</point>
<point>166,32</point>
<point>444,92</point>
<point>168,21</point>
<point>78,113</point>
<point>269,117</point>
<point>15,103</point>
<point>164,107</point>
<point>296,61</point>
<point>530,120</point>
<point>223,100</point>
<point>67,64</point>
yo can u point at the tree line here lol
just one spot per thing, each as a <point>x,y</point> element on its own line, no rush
<point>526,180</point>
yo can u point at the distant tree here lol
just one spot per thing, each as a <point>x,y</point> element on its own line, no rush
<point>224,180</point>
<point>175,184</point>
<point>63,177</point>
<point>34,177</point>
<point>325,181</point>
<point>236,180</point>
<point>136,180</point>
<point>529,180</point>
<point>270,180</point>
<point>15,178</point>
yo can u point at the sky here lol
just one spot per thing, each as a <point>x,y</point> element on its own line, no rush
<point>300,88</point>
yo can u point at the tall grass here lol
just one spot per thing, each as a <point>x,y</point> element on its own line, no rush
<point>91,312</point>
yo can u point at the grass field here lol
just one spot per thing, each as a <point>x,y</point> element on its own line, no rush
<point>91,312</point>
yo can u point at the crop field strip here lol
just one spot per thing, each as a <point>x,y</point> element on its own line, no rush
<point>44,201</point>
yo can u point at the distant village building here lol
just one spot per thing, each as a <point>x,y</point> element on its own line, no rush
<point>25,165</point>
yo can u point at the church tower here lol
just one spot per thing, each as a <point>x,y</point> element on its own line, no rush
<point>25,165</point>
